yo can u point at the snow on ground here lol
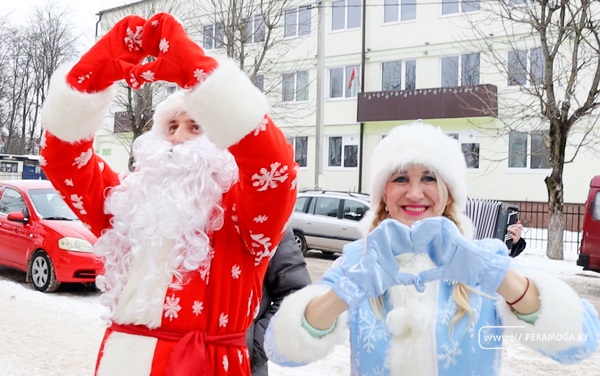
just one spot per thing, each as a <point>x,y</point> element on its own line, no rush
<point>59,334</point>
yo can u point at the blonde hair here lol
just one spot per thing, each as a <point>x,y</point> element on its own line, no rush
<point>460,292</point>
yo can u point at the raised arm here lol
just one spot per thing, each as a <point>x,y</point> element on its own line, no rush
<point>78,100</point>
<point>233,115</point>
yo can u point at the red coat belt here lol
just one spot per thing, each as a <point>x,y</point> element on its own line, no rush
<point>188,357</point>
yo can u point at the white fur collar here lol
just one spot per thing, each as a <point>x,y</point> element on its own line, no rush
<point>412,322</point>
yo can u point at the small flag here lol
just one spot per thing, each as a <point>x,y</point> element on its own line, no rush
<point>352,77</point>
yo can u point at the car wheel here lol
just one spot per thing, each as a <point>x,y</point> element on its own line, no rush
<point>301,241</point>
<point>42,273</point>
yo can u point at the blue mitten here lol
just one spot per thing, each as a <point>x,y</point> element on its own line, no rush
<point>377,270</point>
<point>458,259</point>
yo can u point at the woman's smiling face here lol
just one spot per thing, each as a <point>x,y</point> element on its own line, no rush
<point>414,194</point>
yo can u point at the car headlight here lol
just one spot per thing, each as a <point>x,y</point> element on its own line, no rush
<point>75,245</point>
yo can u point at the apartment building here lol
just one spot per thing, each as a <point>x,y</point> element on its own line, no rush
<point>345,72</point>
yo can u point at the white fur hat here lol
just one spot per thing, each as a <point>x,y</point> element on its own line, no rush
<point>166,110</point>
<point>419,144</point>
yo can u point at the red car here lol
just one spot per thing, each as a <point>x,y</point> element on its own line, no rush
<point>40,235</point>
<point>589,249</point>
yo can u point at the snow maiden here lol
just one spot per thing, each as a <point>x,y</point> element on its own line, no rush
<point>419,296</point>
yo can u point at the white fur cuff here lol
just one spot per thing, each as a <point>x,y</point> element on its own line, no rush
<point>72,115</point>
<point>227,105</point>
<point>291,340</point>
<point>559,325</point>
<point>127,354</point>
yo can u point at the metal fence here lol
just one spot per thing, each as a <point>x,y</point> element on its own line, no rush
<point>535,217</point>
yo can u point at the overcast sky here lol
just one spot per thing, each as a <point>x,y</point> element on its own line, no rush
<point>83,11</point>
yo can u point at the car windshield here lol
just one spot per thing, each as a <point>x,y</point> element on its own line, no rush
<point>50,205</point>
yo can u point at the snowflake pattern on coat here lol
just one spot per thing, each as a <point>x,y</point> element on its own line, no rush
<point>172,307</point>
<point>240,249</point>
<point>270,178</point>
<point>197,307</point>
<point>83,158</point>
<point>77,203</point>
<point>370,330</point>
<point>223,320</point>
<point>457,349</point>
<point>236,271</point>
<point>264,248</point>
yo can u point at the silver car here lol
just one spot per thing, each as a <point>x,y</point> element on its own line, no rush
<point>326,220</point>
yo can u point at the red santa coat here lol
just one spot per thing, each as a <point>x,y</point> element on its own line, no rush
<point>222,296</point>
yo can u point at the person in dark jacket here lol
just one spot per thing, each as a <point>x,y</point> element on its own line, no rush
<point>286,273</point>
<point>518,244</point>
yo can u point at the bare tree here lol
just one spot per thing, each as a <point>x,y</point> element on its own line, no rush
<point>550,51</point>
<point>29,56</point>
<point>251,32</point>
<point>4,83</point>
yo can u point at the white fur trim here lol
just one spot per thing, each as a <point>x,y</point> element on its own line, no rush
<point>291,340</point>
<point>70,114</point>
<point>365,223</point>
<point>126,310</point>
<point>227,105</point>
<point>560,315</point>
<point>126,354</point>
<point>421,144</point>
<point>412,322</point>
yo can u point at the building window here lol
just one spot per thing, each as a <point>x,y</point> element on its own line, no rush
<point>213,36</point>
<point>346,14</point>
<point>528,150</point>
<point>8,166</point>
<point>259,82</point>
<point>464,6</point>
<point>344,82</point>
<point>297,22</point>
<point>343,151</point>
<point>403,10</point>
<point>525,67</point>
<point>255,29</point>
<point>295,86</point>
<point>392,73</point>
<point>122,122</point>
<point>460,70</point>
<point>469,143</point>
<point>300,144</point>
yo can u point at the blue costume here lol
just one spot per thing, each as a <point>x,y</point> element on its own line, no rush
<point>470,348</point>
<point>401,281</point>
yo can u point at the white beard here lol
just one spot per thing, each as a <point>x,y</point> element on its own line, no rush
<point>163,214</point>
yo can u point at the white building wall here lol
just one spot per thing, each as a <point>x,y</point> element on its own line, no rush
<point>426,39</point>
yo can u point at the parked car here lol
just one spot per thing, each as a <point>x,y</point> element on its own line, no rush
<point>326,220</point>
<point>40,235</point>
<point>589,249</point>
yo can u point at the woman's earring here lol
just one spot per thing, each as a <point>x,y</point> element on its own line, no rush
<point>386,209</point>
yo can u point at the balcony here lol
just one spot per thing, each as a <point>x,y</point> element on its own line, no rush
<point>435,103</point>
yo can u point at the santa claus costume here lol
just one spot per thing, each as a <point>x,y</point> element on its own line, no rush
<point>187,237</point>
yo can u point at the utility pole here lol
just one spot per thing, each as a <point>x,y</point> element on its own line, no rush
<point>320,93</point>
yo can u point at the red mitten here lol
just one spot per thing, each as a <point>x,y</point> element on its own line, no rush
<point>178,58</point>
<point>111,58</point>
